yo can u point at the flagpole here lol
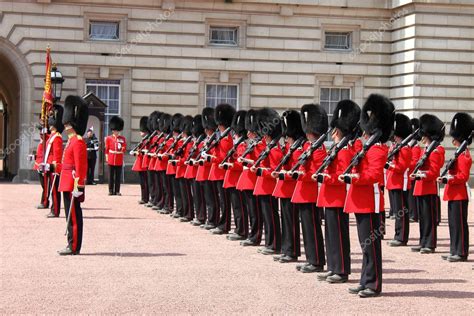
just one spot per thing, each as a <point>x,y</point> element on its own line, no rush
<point>46,106</point>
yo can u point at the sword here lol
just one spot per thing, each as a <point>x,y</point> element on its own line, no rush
<point>51,189</point>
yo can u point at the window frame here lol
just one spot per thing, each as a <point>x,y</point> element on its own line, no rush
<point>236,36</point>
<point>340,28</point>
<point>237,106</point>
<point>91,22</point>
<point>349,34</point>
<point>121,19</point>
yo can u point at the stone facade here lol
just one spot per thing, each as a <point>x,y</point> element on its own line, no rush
<point>418,52</point>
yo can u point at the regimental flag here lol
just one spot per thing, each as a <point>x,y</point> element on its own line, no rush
<point>47,103</point>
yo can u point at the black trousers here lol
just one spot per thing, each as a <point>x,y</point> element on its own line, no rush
<point>160,189</point>
<point>225,207</point>
<point>145,193</point>
<point>370,243</point>
<point>115,175</point>
<point>151,185</point>
<point>199,201</point>
<point>458,228</point>
<point>290,229</point>
<point>44,181</point>
<point>177,195</point>
<point>55,195</point>
<point>412,203</point>
<point>75,226</point>
<point>398,206</point>
<point>168,193</point>
<point>255,216</point>
<point>312,234</point>
<point>271,221</point>
<point>188,202</point>
<point>428,220</point>
<point>241,217</point>
<point>90,169</point>
<point>211,196</point>
<point>338,246</point>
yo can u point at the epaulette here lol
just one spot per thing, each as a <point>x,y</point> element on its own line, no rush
<point>79,137</point>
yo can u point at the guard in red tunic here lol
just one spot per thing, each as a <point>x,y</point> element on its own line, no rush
<point>166,205</point>
<point>314,120</point>
<point>211,193</point>
<point>415,156</point>
<point>270,128</point>
<point>190,175</point>
<point>138,165</point>
<point>332,192</point>
<point>177,159</point>
<point>223,115</point>
<point>38,166</point>
<point>171,168</point>
<point>364,197</point>
<point>398,181</point>
<point>426,187</point>
<point>54,155</point>
<point>457,191</point>
<point>74,171</point>
<point>115,147</point>
<point>232,175</point>
<point>285,186</point>
<point>155,178</point>
<point>247,179</point>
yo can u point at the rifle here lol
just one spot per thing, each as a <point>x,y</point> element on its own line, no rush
<point>250,147</point>
<point>360,155</point>
<point>298,143</point>
<point>143,142</point>
<point>331,156</point>
<point>308,153</point>
<point>213,143</point>
<point>232,151</point>
<point>173,144</point>
<point>423,158</point>
<point>399,147</point>
<point>451,161</point>
<point>194,148</point>
<point>181,149</point>
<point>163,144</point>
<point>204,148</point>
<point>264,154</point>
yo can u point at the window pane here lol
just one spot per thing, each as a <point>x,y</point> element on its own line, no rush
<point>335,94</point>
<point>102,92</point>
<point>223,35</point>
<point>338,40</point>
<point>92,89</point>
<point>216,94</point>
<point>113,93</point>
<point>104,30</point>
<point>324,94</point>
<point>325,105</point>
<point>345,94</point>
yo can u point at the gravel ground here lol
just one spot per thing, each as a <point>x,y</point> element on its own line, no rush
<point>136,261</point>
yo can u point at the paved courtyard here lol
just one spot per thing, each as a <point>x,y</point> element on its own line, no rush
<point>136,261</point>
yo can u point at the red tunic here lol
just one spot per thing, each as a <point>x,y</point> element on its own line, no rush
<point>266,183</point>
<point>332,192</point>
<point>74,160</point>
<point>431,167</point>
<point>151,160</point>
<point>364,194</point>
<point>191,171</point>
<point>115,147</point>
<point>162,163</point>
<point>232,175</point>
<point>285,188</point>
<point>39,153</point>
<point>415,156</point>
<point>398,177</point>
<point>248,179</point>
<point>55,148</point>
<point>180,166</point>
<point>457,189</point>
<point>202,173</point>
<point>138,165</point>
<point>306,190</point>
<point>170,168</point>
<point>219,151</point>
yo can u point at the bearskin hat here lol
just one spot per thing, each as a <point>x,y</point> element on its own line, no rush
<point>345,117</point>
<point>402,126</point>
<point>291,124</point>
<point>144,124</point>
<point>378,113</point>
<point>208,118</point>
<point>462,126</point>
<point>165,123</point>
<point>186,124</point>
<point>197,129</point>
<point>238,123</point>
<point>314,119</point>
<point>116,123</point>
<point>153,120</point>
<point>176,122</point>
<point>415,124</point>
<point>76,113</point>
<point>432,127</point>
<point>223,114</point>
<point>251,121</point>
<point>56,118</point>
<point>269,123</point>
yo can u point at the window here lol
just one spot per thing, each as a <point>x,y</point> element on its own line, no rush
<point>338,40</point>
<point>104,31</point>
<point>329,98</point>
<point>219,93</point>
<point>225,36</point>
<point>109,92</point>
